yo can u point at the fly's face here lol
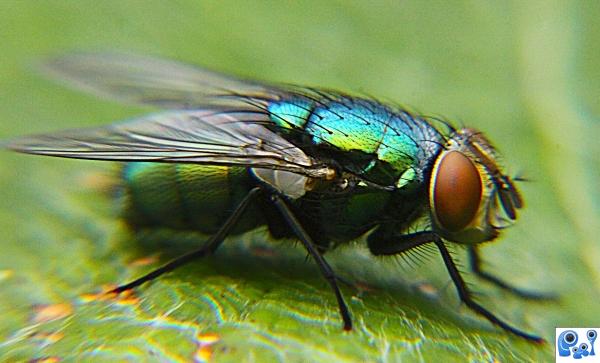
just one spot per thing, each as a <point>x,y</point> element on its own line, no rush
<point>470,198</point>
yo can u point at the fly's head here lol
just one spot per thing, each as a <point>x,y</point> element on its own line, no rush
<point>470,197</point>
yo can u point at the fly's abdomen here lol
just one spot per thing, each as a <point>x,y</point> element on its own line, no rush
<point>185,196</point>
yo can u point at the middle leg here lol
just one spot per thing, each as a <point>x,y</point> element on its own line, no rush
<point>324,267</point>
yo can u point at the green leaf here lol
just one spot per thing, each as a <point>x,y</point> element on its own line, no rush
<point>524,73</point>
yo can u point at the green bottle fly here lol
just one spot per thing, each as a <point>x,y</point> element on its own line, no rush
<point>228,156</point>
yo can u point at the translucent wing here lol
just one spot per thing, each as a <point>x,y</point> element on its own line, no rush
<point>217,119</point>
<point>185,136</point>
<point>153,81</point>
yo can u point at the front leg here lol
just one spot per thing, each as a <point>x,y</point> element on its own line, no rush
<point>404,243</point>
<point>383,246</point>
<point>465,296</point>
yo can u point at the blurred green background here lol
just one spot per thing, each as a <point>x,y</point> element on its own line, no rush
<point>525,72</point>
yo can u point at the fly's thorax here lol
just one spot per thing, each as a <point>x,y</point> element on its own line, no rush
<point>384,146</point>
<point>469,196</point>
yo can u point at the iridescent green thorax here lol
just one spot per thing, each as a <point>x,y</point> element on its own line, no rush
<point>394,145</point>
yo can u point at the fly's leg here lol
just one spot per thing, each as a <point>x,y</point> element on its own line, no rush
<point>324,267</point>
<point>383,247</point>
<point>208,249</point>
<point>404,243</point>
<point>465,296</point>
<point>475,262</point>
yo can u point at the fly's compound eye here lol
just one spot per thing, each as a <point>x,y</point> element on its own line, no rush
<point>456,192</point>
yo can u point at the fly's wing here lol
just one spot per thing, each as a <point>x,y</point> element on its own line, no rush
<point>218,119</point>
<point>186,136</point>
<point>153,81</point>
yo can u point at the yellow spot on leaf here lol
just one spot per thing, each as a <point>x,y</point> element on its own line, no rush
<point>45,360</point>
<point>46,313</point>
<point>205,342</point>
<point>144,261</point>
<point>6,274</point>
<point>48,337</point>
<point>209,338</point>
<point>427,289</point>
<point>98,181</point>
<point>126,297</point>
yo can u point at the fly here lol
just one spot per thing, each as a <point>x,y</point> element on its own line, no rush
<point>229,155</point>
